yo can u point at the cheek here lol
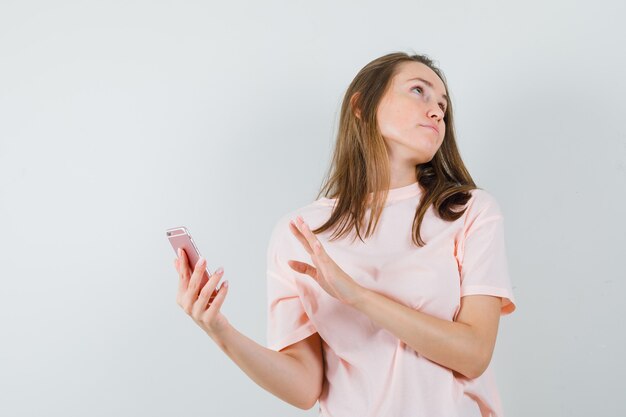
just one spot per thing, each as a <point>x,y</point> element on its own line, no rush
<point>393,119</point>
<point>386,125</point>
<point>383,118</point>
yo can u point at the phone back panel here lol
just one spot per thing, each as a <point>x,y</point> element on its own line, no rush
<point>180,237</point>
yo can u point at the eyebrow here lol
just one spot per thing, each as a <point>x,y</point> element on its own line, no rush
<point>428,83</point>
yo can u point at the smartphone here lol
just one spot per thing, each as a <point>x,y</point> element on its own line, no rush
<point>180,237</point>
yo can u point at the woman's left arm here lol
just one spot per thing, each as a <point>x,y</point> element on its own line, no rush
<point>465,345</point>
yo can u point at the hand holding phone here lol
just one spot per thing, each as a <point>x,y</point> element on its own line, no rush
<point>180,238</point>
<point>197,293</point>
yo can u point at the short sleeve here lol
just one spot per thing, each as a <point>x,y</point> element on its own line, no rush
<point>483,267</point>
<point>287,320</point>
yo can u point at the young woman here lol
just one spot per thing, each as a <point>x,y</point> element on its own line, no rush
<point>384,295</point>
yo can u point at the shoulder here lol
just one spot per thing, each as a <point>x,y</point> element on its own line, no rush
<point>313,213</point>
<point>482,204</point>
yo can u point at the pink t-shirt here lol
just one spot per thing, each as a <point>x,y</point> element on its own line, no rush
<point>369,372</point>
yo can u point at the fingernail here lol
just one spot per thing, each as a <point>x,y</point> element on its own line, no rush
<point>225,284</point>
<point>219,270</point>
<point>200,261</point>
<point>180,252</point>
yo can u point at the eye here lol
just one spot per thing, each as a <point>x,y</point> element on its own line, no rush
<point>441,105</point>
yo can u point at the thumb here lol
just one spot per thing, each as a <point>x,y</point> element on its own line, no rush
<point>302,268</point>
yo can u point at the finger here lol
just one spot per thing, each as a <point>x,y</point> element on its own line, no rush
<point>303,268</point>
<point>182,282</point>
<point>315,243</point>
<point>315,255</point>
<point>207,293</point>
<point>296,231</point>
<point>194,281</point>
<point>184,263</point>
<point>310,237</point>
<point>177,265</point>
<point>216,304</point>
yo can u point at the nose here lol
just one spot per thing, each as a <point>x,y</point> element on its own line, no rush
<point>435,112</point>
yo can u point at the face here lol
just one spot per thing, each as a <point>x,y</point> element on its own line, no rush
<point>410,115</point>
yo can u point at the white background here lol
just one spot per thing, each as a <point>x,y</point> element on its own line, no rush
<point>120,119</point>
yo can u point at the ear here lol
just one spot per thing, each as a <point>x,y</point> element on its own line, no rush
<point>353,104</point>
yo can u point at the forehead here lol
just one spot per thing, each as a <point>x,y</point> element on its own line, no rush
<point>409,70</point>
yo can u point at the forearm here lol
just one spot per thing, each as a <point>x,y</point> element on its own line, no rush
<point>450,344</point>
<point>278,373</point>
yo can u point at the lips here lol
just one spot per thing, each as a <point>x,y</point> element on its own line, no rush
<point>431,127</point>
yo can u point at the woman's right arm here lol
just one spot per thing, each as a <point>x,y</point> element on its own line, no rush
<point>294,374</point>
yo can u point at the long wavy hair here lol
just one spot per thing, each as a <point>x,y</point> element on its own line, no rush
<point>360,162</point>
